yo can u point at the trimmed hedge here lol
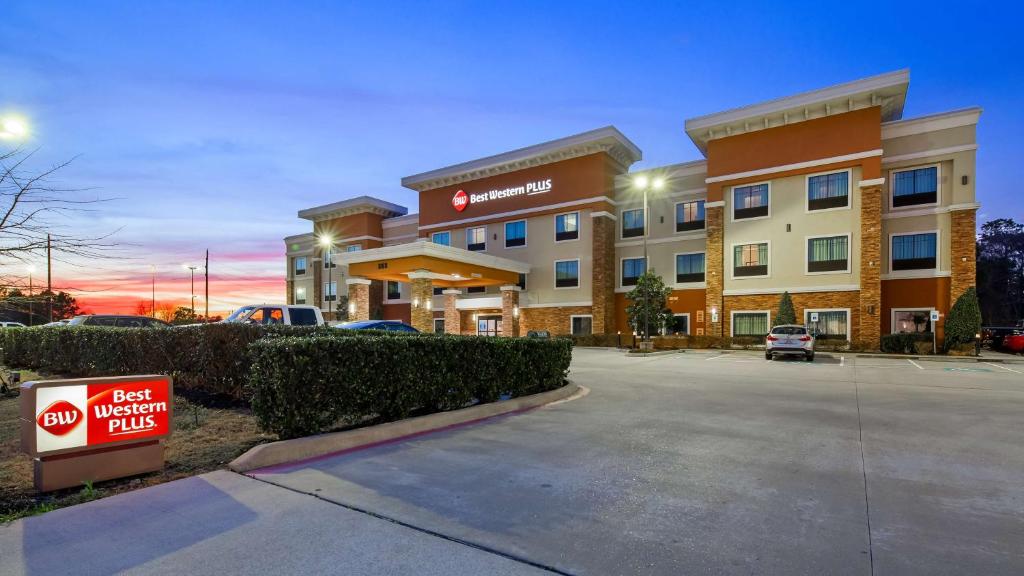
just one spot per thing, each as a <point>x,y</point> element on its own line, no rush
<point>303,386</point>
<point>907,343</point>
<point>212,358</point>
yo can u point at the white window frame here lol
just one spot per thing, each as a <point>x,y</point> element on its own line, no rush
<point>331,286</point>
<point>622,222</point>
<point>675,269</point>
<point>572,316</point>
<point>388,298</point>
<point>327,256</point>
<point>579,226</point>
<point>807,255</point>
<point>893,311</point>
<point>295,294</point>
<point>554,270</point>
<point>441,320</point>
<point>938,186</point>
<point>732,202</point>
<point>357,247</point>
<point>664,332</point>
<point>917,271</point>
<point>647,266</point>
<point>476,228</point>
<point>849,321</point>
<point>526,233</point>
<point>732,260</point>
<point>449,232</point>
<point>732,319</point>
<point>295,267</point>
<point>675,210</point>
<point>807,191</point>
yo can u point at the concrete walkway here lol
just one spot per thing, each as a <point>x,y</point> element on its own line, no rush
<point>225,523</point>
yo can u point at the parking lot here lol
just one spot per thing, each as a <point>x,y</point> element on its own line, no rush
<point>723,463</point>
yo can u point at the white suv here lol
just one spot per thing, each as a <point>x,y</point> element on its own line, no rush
<point>789,339</point>
<point>278,314</point>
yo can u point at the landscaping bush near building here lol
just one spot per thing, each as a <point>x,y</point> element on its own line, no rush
<point>907,343</point>
<point>963,322</point>
<point>305,385</point>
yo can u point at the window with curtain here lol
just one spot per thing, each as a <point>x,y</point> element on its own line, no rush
<point>632,269</point>
<point>690,267</point>
<point>690,216</point>
<point>750,260</point>
<point>567,273</point>
<point>300,294</point>
<point>828,254</point>
<point>329,257</point>
<point>300,265</point>
<point>394,290</point>
<point>476,238</point>
<point>830,324</point>
<point>567,226</point>
<point>914,251</point>
<point>913,321</point>
<point>443,238</point>
<point>914,187</point>
<point>633,223</point>
<point>750,324</point>
<point>515,233</point>
<point>828,191</point>
<point>330,291</point>
<point>750,201</point>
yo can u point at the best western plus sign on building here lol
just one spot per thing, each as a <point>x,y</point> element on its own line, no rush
<point>94,414</point>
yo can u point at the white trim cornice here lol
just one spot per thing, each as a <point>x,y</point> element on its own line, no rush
<point>557,304</point>
<point>910,274</point>
<point>930,211</point>
<point>931,123</point>
<point>928,153</point>
<point>603,214</point>
<point>430,249</point>
<point>795,166</point>
<point>513,213</point>
<point>715,204</point>
<point>351,206</point>
<point>791,290</point>
<point>871,182</point>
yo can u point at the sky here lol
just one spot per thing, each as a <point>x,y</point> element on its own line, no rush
<point>209,125</point>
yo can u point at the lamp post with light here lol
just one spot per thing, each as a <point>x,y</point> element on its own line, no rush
<point>645,184</point>
<point>325,243</point>
<point>192,270</point>
<point>13,128</point>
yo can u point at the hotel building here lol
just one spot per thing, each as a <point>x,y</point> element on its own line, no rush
<point>867,219</point>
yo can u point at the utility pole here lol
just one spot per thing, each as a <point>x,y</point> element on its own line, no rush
<point>152,301</point>
<point>31,313</point>
<point>206,269</point>
<point>49,286</point>
<point>192,271</point>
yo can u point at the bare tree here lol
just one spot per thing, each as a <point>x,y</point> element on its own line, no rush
<point>34,216</point>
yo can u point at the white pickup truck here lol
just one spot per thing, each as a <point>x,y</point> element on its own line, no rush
<point>278,314</point>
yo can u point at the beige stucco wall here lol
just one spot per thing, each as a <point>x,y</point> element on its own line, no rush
<point>927,223</point>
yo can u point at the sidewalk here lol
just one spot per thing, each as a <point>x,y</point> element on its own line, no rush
<point>226,523</point>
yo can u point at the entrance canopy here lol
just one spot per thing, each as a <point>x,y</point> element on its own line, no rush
<point>447,266</point>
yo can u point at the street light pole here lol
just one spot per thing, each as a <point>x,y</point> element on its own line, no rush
<point>644,184</point>
<point>325,242</point>
<point>31,269</point>
<point>152,299</point>
<point>192,269</point>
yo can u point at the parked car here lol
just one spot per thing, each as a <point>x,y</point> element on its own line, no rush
<point>57,323</point>
<point>789,339</point>
<point>1014,342</point>
<point>277,314</point>
<point>390,325</point>
<point>539,334</point>
<point>117,321</point>
<point>11,325</point>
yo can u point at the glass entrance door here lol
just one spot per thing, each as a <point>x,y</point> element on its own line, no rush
<point>488,325</point>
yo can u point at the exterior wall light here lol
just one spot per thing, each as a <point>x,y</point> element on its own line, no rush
<point>515,311</point>
<point>429,304</point>
<point>415,302</point>
<point>351,307</point>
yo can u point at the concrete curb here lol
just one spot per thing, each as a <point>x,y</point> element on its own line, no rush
<point>302,450</point>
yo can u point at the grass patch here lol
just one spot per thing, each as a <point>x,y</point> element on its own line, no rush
<point>204,439</point>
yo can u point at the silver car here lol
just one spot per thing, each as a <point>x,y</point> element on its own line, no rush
<point>789,339</point>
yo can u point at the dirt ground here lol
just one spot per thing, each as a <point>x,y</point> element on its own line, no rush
<point>204,439</point>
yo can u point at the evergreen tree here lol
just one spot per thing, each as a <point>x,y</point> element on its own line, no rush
<point>650,295</point>
<point>964,319</point>
<point>786,314</point>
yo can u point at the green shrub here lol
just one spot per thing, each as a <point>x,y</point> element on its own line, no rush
<point>786,313</point>
<point>907,343</point>
<point>963,321</point>
<point>300,386</point>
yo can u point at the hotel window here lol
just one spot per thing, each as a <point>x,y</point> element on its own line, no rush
<point>632,269</point>
<point>394,290</point>
<point>330,291</point>
<point>914,251</point>
<point>476,289</point>
<point>443,238</point>
<point>678,325</point>
<point>828,254</point>
<point>329,257</point>
<point>830,324</point>
<point>750,324</point>
<point>300,265</point>
<point>300,294</point>
<point>581,325</point>
<point>915,187</point>
<point>438,325</point>
<point>750,260</point>
<point>750,201</point>
<point>567,273</point>
<point>633,223</point>
<point>690,216</point>
<point>438,290</point>
<point>522,282</point>
<point>911,321</point>
<point>567,226</point>
<point>828,191</point>
<point>476,238</point>
<point>353,248</point>
<point>690,267</point>
<point>515,233</point>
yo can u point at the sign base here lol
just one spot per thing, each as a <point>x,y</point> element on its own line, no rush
<point>74,469</point>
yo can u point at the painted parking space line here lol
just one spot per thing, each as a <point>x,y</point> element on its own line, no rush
<point>842,361</point>
<point>715,357</point>
<point>919,367</point>
<point>1004,367</point>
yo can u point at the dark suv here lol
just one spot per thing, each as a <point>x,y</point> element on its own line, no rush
<point>117,321</point>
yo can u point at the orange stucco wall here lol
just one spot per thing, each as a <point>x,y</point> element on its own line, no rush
<point>914,293</point>
<point>679,302</point>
